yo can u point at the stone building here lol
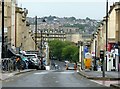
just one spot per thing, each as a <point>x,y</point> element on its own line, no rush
<point>17,32</point>
<point>98,40</point>
<point>23,38</point>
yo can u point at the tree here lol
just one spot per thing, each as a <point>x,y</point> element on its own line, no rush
<point>70,53</point>
<point>63,50</point>
<point>56,48</point>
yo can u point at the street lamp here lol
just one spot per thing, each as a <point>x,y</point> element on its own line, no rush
<point>95,66</point>
<point>41,51</point>
<point>35,32</point>
<point>95,50</point>
<point>103,74</point>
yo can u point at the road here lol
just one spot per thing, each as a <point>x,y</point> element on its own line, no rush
<point>50,78</point>
<point>53,78</point>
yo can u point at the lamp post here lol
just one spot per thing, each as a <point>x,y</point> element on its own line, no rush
<point>3,29</point>
<point>95,66</point>
<point>95,50</point>
<point>103,73</point>
<point>41,51</point>
<point>35,32</point>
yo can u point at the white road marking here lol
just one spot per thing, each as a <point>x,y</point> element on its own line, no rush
<point>41,73</point>
<point>67,72</point>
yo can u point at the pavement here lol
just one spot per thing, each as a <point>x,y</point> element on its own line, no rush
<point>97,75</point>
<point>7,75</point>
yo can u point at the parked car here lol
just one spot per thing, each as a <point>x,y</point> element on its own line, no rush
<point>34,62</point>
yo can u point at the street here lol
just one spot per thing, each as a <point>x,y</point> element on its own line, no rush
<point>60,44</point>
<point>49,79</point>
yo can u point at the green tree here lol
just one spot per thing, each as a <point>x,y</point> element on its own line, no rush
<point>70,53</point>
<point>63,50</point>
<point>56,48</point>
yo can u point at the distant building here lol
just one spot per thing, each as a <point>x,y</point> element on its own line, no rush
<point>56,31</point>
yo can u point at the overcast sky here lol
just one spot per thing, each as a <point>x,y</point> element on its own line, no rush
<point>94,9</point>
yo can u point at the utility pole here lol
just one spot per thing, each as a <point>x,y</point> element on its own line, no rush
<point>106,38</point>
<point>42,67</point>
<point>3,29</point>
<point>95,67</point>
<point>41,42</point>
<point>35,32</point>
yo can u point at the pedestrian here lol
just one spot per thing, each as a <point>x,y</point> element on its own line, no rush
<point>67,66</point>
<point>75,66</point>
<point>18,63</point>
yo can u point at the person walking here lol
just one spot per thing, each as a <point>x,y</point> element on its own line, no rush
<point>18,63</point>
<point>75,66</point>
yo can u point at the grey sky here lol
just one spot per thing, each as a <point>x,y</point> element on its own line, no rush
<point>64,8</point>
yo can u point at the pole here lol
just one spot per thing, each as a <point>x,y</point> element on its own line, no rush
<point>41,42</point>
<point>81,56</point>
<point>35,32</point>
<point>95,67</point>
<point>106,37</point>
<point>41,51</point>
<point>118,56</point>
<point>2,28</point>
<point>119,42</point>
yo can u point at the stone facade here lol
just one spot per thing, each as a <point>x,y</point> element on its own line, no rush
<point>113,30</point>
<point>17,34</point>
<point>24,40</point>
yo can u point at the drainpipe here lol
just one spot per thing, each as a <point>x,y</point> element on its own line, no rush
<point>2,29</point>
